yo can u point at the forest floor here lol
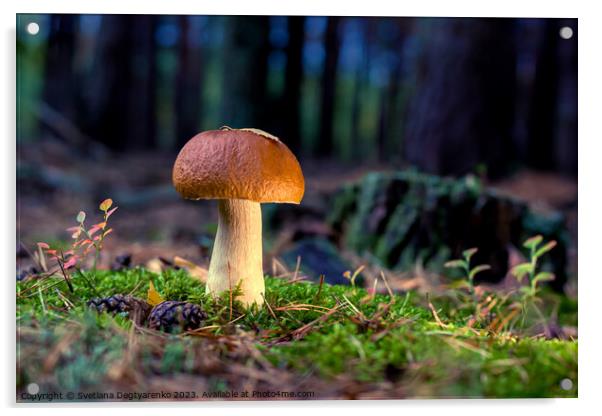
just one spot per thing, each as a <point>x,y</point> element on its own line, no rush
<point>309,341</point>
<point>319,341</point>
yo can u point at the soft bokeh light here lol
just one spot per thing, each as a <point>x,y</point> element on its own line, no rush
<point>566,32</point>
<point>33,28</point>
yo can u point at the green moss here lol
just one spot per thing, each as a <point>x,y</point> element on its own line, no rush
<point>405,346</point>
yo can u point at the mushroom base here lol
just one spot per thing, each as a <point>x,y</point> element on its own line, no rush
<point>237,260</point>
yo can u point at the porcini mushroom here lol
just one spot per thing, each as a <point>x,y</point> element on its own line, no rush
<point>241,168</point>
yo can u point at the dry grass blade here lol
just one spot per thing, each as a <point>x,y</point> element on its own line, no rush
<point>193,269</point>
<point>298,279</point>
<point>65,274</point>
<point>320,286</point>
<point>230,291</point>
<point>498,324</point>
<point>65,300</point>
<point>436,315</point>
<point>302,307</point>
<point>277,264</point>
<point>303,330</point>
<point>382,275</point>
<point>457,343</point>
<point>270,308</point>
<point>297,266</point>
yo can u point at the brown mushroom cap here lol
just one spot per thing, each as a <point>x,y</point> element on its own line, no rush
<point>238,164</point>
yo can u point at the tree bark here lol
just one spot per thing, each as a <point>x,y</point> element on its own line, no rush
<point>245,79</point>
<point>118,106</point>
<point>463,109</point>
<point>58,91</point>
<point>325,144</point>
<point>188,83</point>
<point>292,84</point>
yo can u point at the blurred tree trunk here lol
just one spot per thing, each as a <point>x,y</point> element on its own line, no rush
<point>292,84</point>
<point>142,91</point>
<point>325,143</point>
<point>188,82</point>
<point>393,97</point>
<point>105,115</point>
<point>566,141</point>
<point>245,73</point>
<point>390,124</point>
<point>360,78</point>
<point>119,106</point>
<point>540,149</point>
<point>58,86</point>
<point>463,108</point>
<point>552,123</point>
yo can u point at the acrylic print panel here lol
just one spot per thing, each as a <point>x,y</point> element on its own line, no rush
<point>295,208</point>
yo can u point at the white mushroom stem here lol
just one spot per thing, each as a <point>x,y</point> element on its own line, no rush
<point>237,253</point>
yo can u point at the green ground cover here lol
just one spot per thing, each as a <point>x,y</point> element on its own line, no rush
<point>332,341</point>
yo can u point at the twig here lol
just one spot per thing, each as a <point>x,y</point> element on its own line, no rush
<point>435,315</point>
<point>320,287</point>
<point>65,276</point>
<point>382,275</point>
<point>297,267</point>
<point>230,291</point>
<point>269,308</point>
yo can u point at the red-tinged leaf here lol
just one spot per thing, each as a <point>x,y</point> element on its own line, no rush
<point>43,245</point>
<point>51,252</point>
<point>69,253</point>
<point>75,228</point>
<point>110,212</point>
<point>70,263</point>
<point>81,217</point>
<point>93,231</point>
<point>96,238</point>
<point>81,243</point>
<point>107,232</point>
<point>102,225</point>
<point>76,234</point>
<point>106,204</point>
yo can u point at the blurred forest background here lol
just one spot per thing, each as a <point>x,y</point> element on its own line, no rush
<point>104,102</point>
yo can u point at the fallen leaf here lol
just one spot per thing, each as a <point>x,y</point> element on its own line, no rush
<point>154,265</point>
<point>193,269</point>
<point>153,297</point>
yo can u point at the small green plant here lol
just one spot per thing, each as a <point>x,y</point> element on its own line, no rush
<point>84,240</point>
<point>530,270</point>
<point>469,275</point>
<point>464,265</point>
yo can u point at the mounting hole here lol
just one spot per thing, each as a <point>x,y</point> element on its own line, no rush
<point>566,384</point>
<point>33,388</point>
<point>566,32</point>
<point>33,28</point>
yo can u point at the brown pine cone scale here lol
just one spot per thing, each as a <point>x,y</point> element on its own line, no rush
<point>173,316</point>
<point>136,309</point>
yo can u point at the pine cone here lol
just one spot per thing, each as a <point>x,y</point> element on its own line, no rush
<point>136,309</point>
<point>173,316</point>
